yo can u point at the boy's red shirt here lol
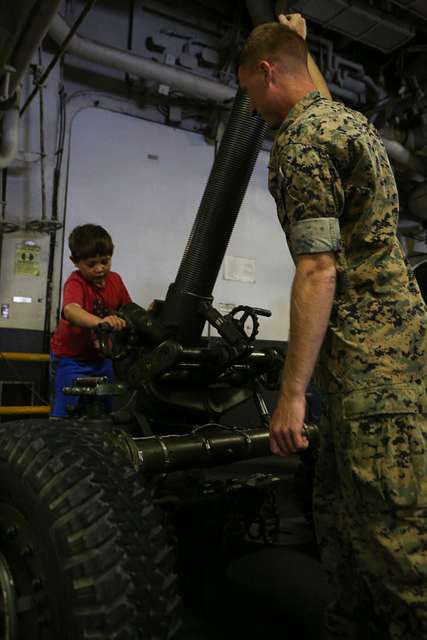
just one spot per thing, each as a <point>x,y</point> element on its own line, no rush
<point>77,342</point>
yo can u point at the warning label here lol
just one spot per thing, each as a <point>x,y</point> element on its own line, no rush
<point>27,260</point>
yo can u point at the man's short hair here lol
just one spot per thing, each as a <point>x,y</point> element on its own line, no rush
<point>90,241</point>
<point>273,41</point>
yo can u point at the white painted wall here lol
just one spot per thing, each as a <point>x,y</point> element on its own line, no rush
<point>258,235</point>
<point>143,182</point>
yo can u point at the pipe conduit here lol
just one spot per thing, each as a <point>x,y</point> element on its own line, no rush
<point>9,134</point>
<point>404,156</point>
<point>34,33</point>
<point>128,62</point>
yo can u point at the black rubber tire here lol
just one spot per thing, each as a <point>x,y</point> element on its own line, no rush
<point>82,539</point>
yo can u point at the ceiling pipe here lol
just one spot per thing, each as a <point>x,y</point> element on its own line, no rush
<point>44,76</point>
<point>9,134</point>
<point>31,38</point>
<point>128,62</point>
<point>403,156</point>
<point>32,35</point>
<point>344,93</point>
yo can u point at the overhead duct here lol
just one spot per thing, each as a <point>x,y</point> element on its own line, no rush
<point>9,134</point>
<point>403,156</point>
<point>13,17</point>
<point>32,35</point>
<point>16,57</point>
<point>128,62</point>
<point>356,20</point>
<point>419,7</point>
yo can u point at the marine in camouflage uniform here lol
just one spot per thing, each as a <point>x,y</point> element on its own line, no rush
<point>335,192</point>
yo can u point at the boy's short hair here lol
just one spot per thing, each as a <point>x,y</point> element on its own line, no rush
<point>90,241</point>
<point>274,41</point>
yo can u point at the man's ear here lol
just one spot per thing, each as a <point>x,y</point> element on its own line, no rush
<point>266,69</point>
<point>75,262</point>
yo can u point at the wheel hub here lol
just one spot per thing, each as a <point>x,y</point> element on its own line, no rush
<point>22,596</point>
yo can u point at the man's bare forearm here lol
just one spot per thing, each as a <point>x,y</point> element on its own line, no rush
<point>317,77</point>
<point>312,298</point>
<point>296,23</point>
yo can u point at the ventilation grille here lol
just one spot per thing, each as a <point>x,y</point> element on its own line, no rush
<point>358,21</point>
<point>417,6</point>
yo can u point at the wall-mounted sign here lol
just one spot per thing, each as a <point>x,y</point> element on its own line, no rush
<point>241,269</point>
<point>27,259</point>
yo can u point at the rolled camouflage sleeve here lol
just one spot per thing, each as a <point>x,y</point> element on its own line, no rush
<point>313,199</point>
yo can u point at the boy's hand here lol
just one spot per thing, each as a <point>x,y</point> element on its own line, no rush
<point>295,22</point>
<point>116,323</point>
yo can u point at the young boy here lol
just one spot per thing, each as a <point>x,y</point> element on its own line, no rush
<point>92,294</point>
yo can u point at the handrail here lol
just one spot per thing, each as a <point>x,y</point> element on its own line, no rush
<point>27,357</point>
<point>28,410</point>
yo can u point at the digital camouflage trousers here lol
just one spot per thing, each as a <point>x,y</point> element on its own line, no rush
<point>370,503</point>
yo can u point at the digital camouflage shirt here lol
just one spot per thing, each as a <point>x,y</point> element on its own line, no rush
<point>335,192</point>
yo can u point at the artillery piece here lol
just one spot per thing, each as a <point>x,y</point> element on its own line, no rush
<point>85,550</point>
